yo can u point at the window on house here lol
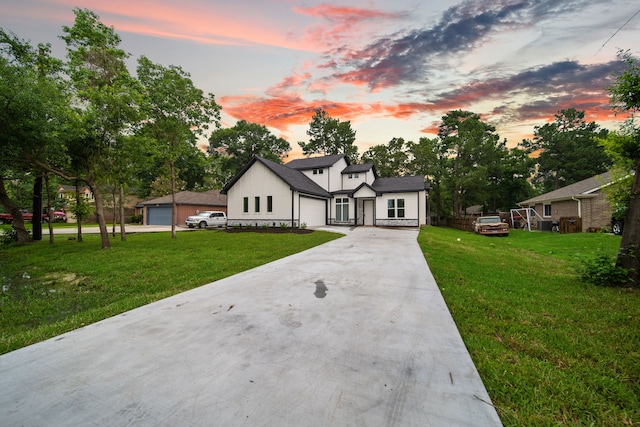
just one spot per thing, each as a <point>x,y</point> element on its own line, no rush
<point>342,209</point>
<point>257,204</point>
<point>350,176</point>
<point>245,205</point>
<point>318,171</point>
<point>395,208</point>
<point>356,175</point>
<point>391,208</point>
<point>547,210</point>
<point>269,203</point>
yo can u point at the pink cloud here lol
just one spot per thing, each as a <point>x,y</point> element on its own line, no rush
<point>343,22</point>
<point>202,22</point>
<point>285,111</point>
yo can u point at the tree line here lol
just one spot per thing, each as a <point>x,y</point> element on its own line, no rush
<point>87,120</point>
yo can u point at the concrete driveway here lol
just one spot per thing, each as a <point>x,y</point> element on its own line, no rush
<point>353,332</point>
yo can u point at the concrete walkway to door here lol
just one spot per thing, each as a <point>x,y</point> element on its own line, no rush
<point>352,332</point>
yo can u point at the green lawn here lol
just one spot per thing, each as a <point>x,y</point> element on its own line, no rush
<point>550,349</point>
<point>51,289</point>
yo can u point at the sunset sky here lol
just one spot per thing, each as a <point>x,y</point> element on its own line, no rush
<point>392,68</point>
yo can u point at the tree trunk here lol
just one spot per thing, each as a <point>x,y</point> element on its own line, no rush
<point>36,219</point>
<point>629,253</point>
<point>79,217</point>
<point>49,208</point>
<point>115,208</point>
<point>174,208</point>
<point>123,233</point>
<point>16,215</point>
<point>104,233</point>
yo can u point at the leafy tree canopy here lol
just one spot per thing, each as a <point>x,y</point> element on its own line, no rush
<point>568,150</point>
<point>328,136</point>
<point>234,147</point>
<point>390,159</point>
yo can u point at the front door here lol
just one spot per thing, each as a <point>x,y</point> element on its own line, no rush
<point>368,212</point>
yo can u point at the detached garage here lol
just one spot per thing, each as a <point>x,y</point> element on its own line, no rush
<point>158,211</point>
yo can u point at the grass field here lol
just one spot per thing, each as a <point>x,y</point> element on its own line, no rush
<point>550,349</point>
<point>50,289</point>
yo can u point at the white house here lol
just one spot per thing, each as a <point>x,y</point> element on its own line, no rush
<point>320,191</point>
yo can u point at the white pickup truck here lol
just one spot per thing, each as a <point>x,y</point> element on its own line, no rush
<point>207,219</point>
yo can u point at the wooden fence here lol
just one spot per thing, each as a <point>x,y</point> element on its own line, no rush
<point>570,224</point>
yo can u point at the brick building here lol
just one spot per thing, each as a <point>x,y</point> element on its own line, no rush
<point>584,199</point>
<point>158,211</point>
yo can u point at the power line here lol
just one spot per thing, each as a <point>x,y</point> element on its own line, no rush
<point>618,30</point>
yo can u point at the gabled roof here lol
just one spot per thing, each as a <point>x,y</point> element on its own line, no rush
<point>211,198</point>
<point>360,187</point>
<point>579,189</point>
<point>295,179</point>
<point>359,169</point>
<point>400,184</point>
<point>316,162</point>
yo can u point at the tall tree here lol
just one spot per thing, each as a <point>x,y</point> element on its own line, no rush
<point>328,136</point>
<point>232,148</point>
<point>390,159</point>
<point>512,183</point>
<point>625,96</point>
<point>568,150</point>
<point>428,158</point>
<point>470,150</point>
<point>108,97</point>
<point>179,113</point>
<point>33,106</point>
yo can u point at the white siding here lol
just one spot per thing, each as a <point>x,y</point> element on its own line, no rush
<point>259,181</point>
<point>335,175</point>
<point>414,209</point>
<point>353,182</point>
<point>322,179</point>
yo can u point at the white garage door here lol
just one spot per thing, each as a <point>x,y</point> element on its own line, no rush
<point>313,212</point>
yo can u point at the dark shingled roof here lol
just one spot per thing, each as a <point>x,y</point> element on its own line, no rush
<point>358,168</point>
<point>296,180</point>
<point>400,184</point>
<point>316,162</point>
<point>211,197</point>
<point>580,188</point>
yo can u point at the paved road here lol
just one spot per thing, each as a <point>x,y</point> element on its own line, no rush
<point>353,332</point>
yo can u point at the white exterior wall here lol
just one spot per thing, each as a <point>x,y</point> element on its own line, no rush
<point>259,181</point>
<point>335,175</point>
<point>414,209</point>
<point>351,183</point>
<point>321,179</point>
<point>330,178</point>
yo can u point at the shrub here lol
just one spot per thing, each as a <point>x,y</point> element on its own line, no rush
<point>601,270</point>
<point>9,236</point>
<point>303,226</point>
<point>284,225</point>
